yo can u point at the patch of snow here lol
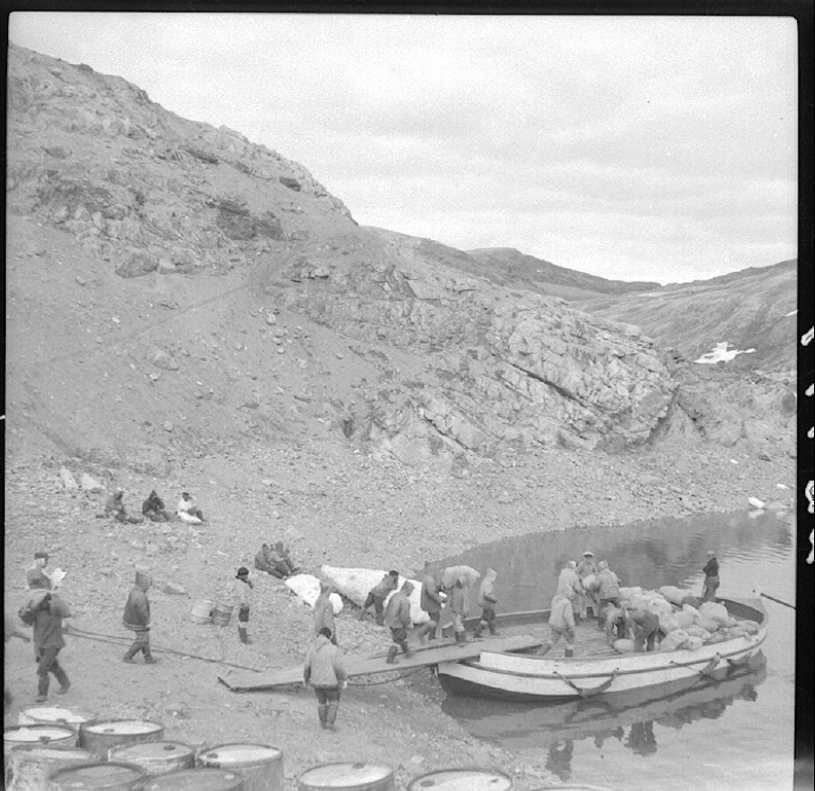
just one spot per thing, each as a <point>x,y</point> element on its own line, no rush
<point>791,313</point>
<point>721,353</point>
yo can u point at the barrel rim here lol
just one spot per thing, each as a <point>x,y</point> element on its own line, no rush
<point>191,773</point>
<point>76,767</point>
<point>85,726</point>
<point>68,730</point>
<point>24,747</point>
<point>480,769</point>
<point>119,748</point>
<point>203,753</point>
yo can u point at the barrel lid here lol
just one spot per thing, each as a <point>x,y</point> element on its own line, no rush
<point>343,775</point>
<point>126,727</point>
<point>42,752</point>
<point>195,780</point>
<point>155,751</point>
<point>462,780</point>
<point>239,753</point>
<point>53,714</point>
<point>99,775</point>
<point>36,733</point>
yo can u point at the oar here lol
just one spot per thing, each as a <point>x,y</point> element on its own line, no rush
<point>759,592</point>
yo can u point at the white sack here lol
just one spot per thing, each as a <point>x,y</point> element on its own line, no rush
<point>714,612</point>
<point>672,594</point>
<point>623,646</point>
<point>307,587</point>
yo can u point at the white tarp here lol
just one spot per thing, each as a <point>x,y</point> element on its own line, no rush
<point>307,587</point>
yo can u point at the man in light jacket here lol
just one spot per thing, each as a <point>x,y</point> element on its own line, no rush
<point>324,671</point>
<point>136,617</point>
<point>487,600</point>
<point>561,624</point>
<point>431,600</point>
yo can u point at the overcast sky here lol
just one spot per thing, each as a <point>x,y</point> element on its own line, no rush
<point>650,148</point>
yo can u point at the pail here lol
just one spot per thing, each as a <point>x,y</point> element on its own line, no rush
<point>196,780</point>
<point>201,611</point>
<point>108,776</point>
<point>156,758</point>
<point>347,776</point>
<point>260,765</point>
<point>462,780</point>
<point>30,764</point>
<point>53,715</point>
<point>99,736</point>
<point>222,614</point>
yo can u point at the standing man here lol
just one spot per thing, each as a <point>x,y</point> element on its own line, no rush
<point>324,611</point>
<point>378,594</point>
<point>608,590</point>
<point>460,606</point>
<point>397,618</point>
<point>712,581</point>
<point>37,577</point>
<point>45,612</point>
<point>431,600</point>
<point>242,599</point>
<point>487,600</point>
<point>137,618</point>
<point>568,585</point>
<point>586,569</point>
<point>325,672</point>
<point>561,624</point>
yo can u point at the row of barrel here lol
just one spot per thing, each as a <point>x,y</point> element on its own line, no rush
<point>58,749</point>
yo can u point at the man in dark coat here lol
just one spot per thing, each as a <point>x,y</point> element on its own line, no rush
<point>712,581</point>
<point>137,618</point>
<point>45,612</point>
<point>153,508</point>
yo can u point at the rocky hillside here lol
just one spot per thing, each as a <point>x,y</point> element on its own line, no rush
<point>175,290</point>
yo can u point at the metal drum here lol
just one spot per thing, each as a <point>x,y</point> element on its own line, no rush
<point>462,780</point>
<point>53,715</point>
<point>222,614</point>
<point>202,611</point>
<point>156,758</point>
<point>99,736</point>
<point>30,764</point>
<point>347,776</point>
<point>59,737</point>
<point>196,780</point>
<point>108,776</point>
<point>260,765</point>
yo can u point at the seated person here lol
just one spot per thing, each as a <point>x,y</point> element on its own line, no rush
<point>115,507</point>
<point>188,511</point>
<point>284,554</point>
<point>271,562</point>
<point>153,508</point>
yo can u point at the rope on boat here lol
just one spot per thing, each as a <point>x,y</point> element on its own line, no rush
<point>707,670</point>
<point>587,693</point>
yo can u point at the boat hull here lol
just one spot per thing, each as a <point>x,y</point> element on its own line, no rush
<point>507,676</point>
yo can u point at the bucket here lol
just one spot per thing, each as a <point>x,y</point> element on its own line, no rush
<point>53,715</point>
<point>30,764</point>
<point>201,611</point>
<point>222,614</point>
<point>196,780</point>
<point>260,765</point>
<point>108,776</point>
<point>156,758</point>
<point>462,780</point>
<point>99,736</point>
<point>347,776</point>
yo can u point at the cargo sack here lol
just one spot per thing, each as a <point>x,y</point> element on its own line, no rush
<point>715,612</point>
<point>673,594</point>
<point>684,619</point>
<point>623,646</point>
<point>674,641</point>
<point>694,643</point>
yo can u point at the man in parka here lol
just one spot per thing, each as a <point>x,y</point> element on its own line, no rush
<point>325,672</point>
<point>712,582</point>
<point>241,592</point>
<point>378,594</point>
<point>397,619</point>
<point>115,507</point>
<point>153,508</point>
<point>561,624</point>
<point>45,612</point>
<point>487,600</point>
<point>608,591</point>
<point>431,601</point>
<point>460,606</point>
<point>324,611</point>
<point>137,618</point>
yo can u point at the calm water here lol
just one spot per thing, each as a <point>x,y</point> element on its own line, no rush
<point>738,734</point>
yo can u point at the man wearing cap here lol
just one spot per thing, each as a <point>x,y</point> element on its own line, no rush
<point>585,569</point>
<point>187,509</point>
<point>242,596</point>
<point>45,612</point>
<point>712,581</point>
<point>37,576</point>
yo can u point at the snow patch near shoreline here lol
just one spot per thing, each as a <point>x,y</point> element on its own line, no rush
<point>721,354</point>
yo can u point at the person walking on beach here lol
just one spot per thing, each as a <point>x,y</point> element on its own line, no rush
<point>325,673</point>
<point>712,581</point>
<point>324,611</point>
<point>431,600</point>
<point>397,619</point>
<point>136,617</point>
<point>45,611</point>
<point>242,598</point>
<point>487,599</point>
<point>378,594</point>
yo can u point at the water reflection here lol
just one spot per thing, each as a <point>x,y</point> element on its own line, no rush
<point>629,719</point>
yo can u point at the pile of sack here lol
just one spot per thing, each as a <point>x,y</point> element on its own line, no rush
<point>684,621</point>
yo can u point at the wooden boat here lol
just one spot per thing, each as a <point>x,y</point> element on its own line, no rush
<point>596,669</point>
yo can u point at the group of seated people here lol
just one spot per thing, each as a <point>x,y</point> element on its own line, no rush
<point>153,509</point>
<point>276,560</point>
